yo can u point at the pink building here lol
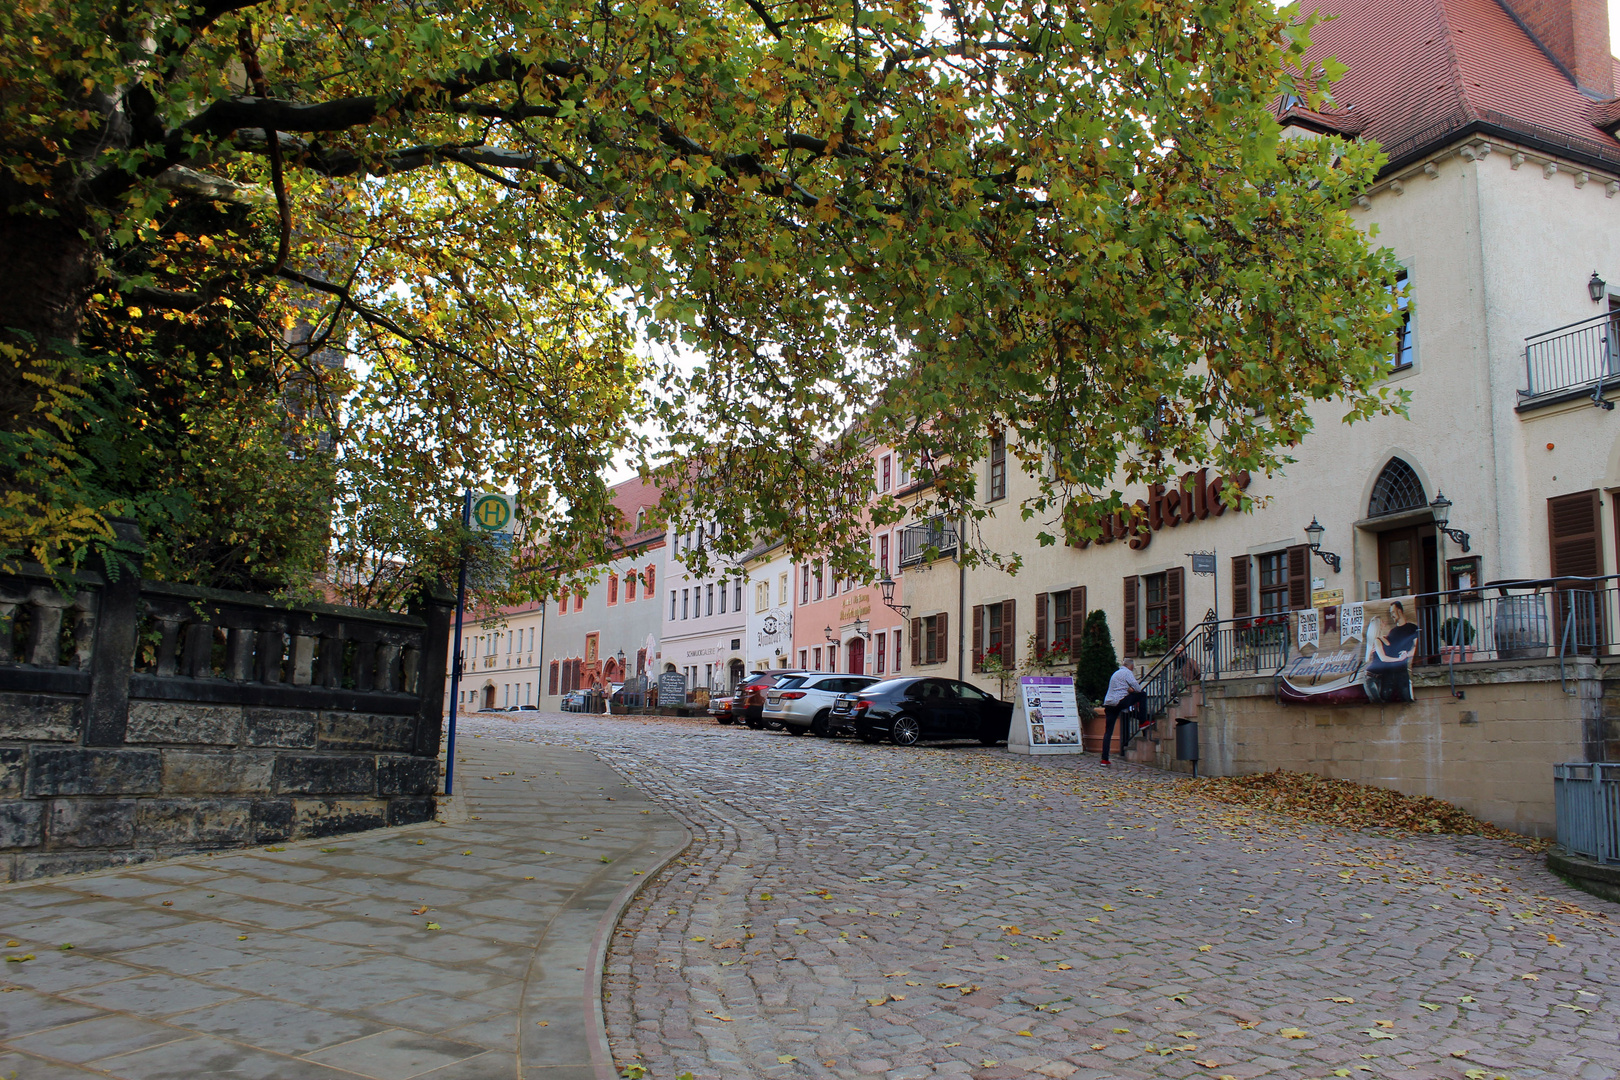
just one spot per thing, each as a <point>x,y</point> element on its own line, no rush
<point>841,625</point>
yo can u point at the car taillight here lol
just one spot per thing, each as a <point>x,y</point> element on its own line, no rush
<point>862,705</point>
<point>793,695</point>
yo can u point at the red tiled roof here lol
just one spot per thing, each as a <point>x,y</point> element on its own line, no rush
<point>633,495</point>
<point>1422,70</point>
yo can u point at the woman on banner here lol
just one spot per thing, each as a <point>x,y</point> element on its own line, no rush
<point>1389,659</point>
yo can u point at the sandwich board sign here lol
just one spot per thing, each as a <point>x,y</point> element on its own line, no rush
<point>1046,717</point>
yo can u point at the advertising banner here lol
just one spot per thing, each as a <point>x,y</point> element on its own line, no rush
<point>1046,719</point>
<point>1367,662</point>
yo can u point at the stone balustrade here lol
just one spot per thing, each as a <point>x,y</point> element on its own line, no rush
<point>141,719</point>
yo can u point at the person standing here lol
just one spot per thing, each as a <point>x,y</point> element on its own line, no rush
<point>1124,694</point>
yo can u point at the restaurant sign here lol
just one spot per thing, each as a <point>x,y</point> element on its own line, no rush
<point>1196,498</point>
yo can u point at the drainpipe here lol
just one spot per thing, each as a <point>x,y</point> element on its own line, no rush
<point>961,597</point>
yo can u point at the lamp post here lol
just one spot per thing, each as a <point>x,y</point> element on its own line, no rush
<point>1313,537</point>
<point>1441,508</point>
<point>886,588</point>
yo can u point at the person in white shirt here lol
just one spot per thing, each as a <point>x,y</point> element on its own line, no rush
<point>1124,693</point>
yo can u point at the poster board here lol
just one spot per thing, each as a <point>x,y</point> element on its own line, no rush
<point>672,688</point>
<point>1046,719</point>
<point>1367,660</point>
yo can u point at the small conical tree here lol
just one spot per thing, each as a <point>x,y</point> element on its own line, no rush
<point>1096,661</point>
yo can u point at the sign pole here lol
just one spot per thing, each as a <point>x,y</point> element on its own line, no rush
<point>455,667</point>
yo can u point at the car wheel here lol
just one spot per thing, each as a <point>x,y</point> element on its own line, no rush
<point>988,740</point>
<point>818,726</point>
<point>905,731</point>
<point>870,736</point>
<point>724,721</point>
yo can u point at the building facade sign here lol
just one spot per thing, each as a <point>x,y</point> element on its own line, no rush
<point>1197,498</point>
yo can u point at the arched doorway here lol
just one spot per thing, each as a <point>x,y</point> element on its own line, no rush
<point>736,673</point>
<point>489,696</point>
<point>857,656</point>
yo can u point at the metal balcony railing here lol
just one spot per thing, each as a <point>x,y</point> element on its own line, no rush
<point>1580,355</point>
<point>1587,798</point>
<point>916,540</point>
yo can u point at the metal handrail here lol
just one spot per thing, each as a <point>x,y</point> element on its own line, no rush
<point>1580,354</point>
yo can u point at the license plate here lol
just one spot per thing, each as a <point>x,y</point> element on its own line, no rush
<point>774,699</point>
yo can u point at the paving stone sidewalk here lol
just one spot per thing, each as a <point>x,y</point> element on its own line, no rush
<point>452,951</point>
<point>854,911</point>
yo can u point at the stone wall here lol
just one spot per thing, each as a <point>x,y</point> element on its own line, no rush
<point>1490,752</point>
<point>224,720</point>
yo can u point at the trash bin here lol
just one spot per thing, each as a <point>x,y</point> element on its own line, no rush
<point>1187,742</point>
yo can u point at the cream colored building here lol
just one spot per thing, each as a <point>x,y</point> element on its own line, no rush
<point>1501,200</point>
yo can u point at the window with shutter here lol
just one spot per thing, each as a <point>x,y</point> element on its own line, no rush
<point>1240,587</point>
<point>1175,613</point>
<point>1130,615</point>
<point>1078,610</point>
<point>1009,633</point>
<point>1299,577</point>
<point>941,627</point>
<point>978,637</point>
<point>1041,640</point>
<point>1575,547</point>
<point>552,682</point>
<point>916,642</point>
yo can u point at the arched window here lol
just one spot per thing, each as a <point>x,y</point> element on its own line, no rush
<point>1398,488</point>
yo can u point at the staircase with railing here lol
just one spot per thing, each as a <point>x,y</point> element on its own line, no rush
<point>1212,649</point>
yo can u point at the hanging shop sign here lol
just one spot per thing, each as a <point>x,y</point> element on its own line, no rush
<point>1047,718</point>
<point>1197,498</point>
<point>1368,661</point>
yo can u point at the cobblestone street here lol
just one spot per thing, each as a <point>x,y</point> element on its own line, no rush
<point>851,910</point>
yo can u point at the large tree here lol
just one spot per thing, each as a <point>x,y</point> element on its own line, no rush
<point>1074,223</point>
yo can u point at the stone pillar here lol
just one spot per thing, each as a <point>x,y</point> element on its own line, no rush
<point>106,710</point>
<point>436,606</point>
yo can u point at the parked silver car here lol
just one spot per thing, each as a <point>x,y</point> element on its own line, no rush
<point>801,703</point>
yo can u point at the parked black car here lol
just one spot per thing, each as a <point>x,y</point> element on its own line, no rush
<point>907,711</point>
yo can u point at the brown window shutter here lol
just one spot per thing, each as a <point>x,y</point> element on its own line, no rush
<point>1176,617</point>
<point>1130,615</point>
<point>944,640</point>
<point>1240,586</point>
<point>1009,635</point>
<point>1077,618</point>
<point>1299,577</point>
<point>1040,621</point>
<point>554,674</point>
<point>978,637</point>
<point>1572,535</point>
<point>916,642</point>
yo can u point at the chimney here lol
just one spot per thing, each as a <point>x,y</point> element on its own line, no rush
<point>1576,34</point>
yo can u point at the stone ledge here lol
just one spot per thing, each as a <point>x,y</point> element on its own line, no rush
<point>1599,879</point>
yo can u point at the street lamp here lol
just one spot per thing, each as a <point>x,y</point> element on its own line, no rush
<point>863,628</point>
<point>886,588</point>
<point>1313,537</point>
<point>1441,508</point>
<point>1596,288</point>
<point>827,632</point>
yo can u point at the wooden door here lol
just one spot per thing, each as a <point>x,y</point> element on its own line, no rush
<point>857,657</point>
<point>1400,562</point>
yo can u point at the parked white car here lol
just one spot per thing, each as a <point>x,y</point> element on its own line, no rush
<point>801,703</point>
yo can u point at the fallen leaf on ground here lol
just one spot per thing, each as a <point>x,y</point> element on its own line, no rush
<point>1343,1001</point>
<point>433,926</point>
<point>420,911</point>
<point>1293,1033</point>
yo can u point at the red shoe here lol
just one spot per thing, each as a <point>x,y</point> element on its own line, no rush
<point>1105,761</point>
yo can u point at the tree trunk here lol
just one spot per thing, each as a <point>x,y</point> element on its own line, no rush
<point>47,269</point>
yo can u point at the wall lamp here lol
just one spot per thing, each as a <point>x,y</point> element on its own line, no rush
<point>1313,536</point>
<point>886,588</point>
<point>827,632</point>
<point>1596,288</point>
<point>863,628</point>
<point>1442,514</point>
